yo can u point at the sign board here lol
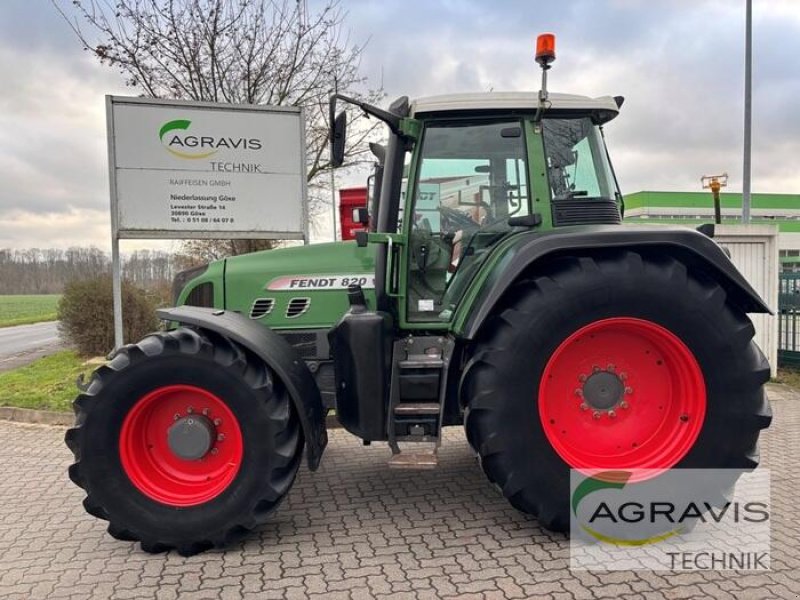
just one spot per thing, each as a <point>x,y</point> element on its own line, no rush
<point>202,170</point>
<point>182,169</point>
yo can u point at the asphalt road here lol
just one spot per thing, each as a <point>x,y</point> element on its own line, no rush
<point>24,343</point>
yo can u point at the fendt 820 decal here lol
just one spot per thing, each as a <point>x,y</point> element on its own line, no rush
<point>323,282</point>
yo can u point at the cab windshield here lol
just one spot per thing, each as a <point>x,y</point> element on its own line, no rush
<point>577,162</point>
<point>472,177</point>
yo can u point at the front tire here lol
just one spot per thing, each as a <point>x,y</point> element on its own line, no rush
<point>616,361</point>
<point>185,440</point>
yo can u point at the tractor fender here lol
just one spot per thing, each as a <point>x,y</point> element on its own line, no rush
<point>691,247</point>
<point>277,354</point>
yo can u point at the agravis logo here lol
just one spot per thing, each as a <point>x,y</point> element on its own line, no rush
<point>176,140</point>
<point>614,480</point>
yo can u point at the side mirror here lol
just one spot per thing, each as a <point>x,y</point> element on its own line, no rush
<point>361,216</point>
<point>338,137</point>
<point>378,151</point>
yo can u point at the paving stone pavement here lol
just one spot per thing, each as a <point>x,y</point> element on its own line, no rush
<point>355,529</point>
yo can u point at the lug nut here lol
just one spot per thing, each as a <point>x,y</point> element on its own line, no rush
<point>176,416</point>
<point>595,369</point>
<point>215,451</point>
<point>628,389</point>
<point>612,414</point>
<point>205,411</point>
<point>623,376</point>
<point>190,410</point>
<point>611,367</point>
<point>584,406</point>
<point>623,404</point>
<point>579,392</point>
<point>221,437</point>
<point>596,414</point>
<point>581,377</point>
<point>217,422</point>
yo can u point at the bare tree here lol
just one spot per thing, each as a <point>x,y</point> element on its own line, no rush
<point>272,52</point>
<point>48,270</point>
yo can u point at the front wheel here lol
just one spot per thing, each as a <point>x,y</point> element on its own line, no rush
<point>185,440</point>
<point>618,361</point>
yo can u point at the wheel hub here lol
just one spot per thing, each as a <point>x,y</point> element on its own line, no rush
<point>603,390</point>
<point>191,437</point>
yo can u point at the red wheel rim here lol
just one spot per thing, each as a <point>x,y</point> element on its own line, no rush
<point>150,462</point>
<point>656,415</point>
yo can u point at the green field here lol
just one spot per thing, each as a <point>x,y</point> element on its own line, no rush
<point>47,383</point>
<point>22,310</point>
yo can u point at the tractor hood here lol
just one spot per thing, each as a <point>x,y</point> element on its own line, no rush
<point>299,287</point>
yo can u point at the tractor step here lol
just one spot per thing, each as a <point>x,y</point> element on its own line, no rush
<point>417,408</point>
<point>425,458</point>
<point>417,389</point>
<point>421,362</point>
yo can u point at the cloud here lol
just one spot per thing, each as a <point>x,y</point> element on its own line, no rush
<point>52,131</point>
<point>679,63</point>
<point>24,229</point>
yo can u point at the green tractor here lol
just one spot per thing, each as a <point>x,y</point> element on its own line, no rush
<point>494,287</point>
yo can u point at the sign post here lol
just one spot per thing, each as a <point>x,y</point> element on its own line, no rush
<point>189,170</point>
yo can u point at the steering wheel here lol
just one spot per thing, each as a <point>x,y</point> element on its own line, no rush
<point>454,220</point>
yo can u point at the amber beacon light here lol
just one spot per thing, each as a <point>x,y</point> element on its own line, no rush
<point>545,49</point>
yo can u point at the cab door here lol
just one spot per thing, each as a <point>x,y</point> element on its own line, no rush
<point>467,179</point>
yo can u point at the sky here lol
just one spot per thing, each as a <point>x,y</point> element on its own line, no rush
<point>679,64</point>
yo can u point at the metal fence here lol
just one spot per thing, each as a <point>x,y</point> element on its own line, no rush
<point>789,319</point>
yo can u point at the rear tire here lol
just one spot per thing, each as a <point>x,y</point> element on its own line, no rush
<point>132,479</point>
<point>511,423</point>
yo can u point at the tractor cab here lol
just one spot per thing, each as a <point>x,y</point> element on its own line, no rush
<point>477,168</point>
<point>485,169</point>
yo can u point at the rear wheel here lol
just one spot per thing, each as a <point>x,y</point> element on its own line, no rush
<point>620,361</point>
<point>185,440</point>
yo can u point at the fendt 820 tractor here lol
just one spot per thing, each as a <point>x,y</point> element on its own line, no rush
<point>494,287</point>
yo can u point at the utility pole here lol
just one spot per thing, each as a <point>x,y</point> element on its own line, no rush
<point>748,109</point>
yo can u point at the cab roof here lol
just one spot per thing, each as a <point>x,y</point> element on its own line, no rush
<point>603,108</point>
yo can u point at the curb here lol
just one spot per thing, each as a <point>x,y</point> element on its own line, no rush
<point>38,417</point>
<point>65,419</point>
